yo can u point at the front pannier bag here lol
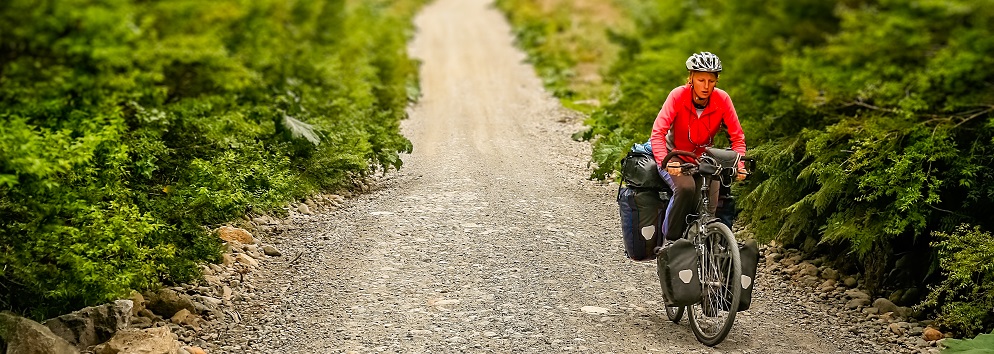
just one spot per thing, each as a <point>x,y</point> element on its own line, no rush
<point>749,254</point>
<point>641,211</point>
<point>678,273</point>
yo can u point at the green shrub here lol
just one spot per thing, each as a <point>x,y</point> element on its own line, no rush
<point>127,126</point>
<point>964,299</point>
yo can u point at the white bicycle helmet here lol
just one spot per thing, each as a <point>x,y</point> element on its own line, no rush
<point>704,61</point>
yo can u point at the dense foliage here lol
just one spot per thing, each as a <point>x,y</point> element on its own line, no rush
<point>965,297</point>
<point>871,121</point>
<point>568,46</point>
<point>125,126</point>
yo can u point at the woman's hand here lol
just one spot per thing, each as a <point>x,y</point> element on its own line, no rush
<point>742,174</point>
<point>673,168</point>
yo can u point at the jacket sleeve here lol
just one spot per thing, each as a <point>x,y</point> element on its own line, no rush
<point>662,126</point>
<point>735,133</point>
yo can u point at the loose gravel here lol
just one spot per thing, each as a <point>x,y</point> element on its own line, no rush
<point>491,239</point>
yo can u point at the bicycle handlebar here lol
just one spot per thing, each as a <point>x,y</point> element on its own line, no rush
<point>685,166</point>
<point>673,153</point>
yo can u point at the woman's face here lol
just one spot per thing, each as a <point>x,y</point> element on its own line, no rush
<point>703,84</point>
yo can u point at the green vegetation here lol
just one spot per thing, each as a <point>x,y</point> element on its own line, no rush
<point>567,43</point>
<point>965,298</point>
<point>871,121</point>
<point>125,126</point>
<point>982,344</point>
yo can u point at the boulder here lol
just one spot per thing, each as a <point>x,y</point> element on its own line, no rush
<point>246,260</point>
<point>194,350</point>
<point>158,340</point>
<point>271,251</point>
<point>92,325</point>
<point>850,282</point>
<point>829,273</point>
<point>827,285</point>
<point>185,318</point>
<point>857,294</point>
<point>932,334</point>
<point>24,336</point>
<point>235,234</point>
<point>792,260</point>
<point>885,305</point>
<point>807,269</point>
<point>857,303</point>
<point>898,328</point>
<point>167,302</point>
<point>138,303</point>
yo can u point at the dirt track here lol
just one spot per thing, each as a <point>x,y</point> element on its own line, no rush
<point>490,239</point>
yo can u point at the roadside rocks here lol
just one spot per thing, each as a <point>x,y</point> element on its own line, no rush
<point>879,321</point>
<point>24,336</point>
<point>165,321</point>
<point>92,325</point>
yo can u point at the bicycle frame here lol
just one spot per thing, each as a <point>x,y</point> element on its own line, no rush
<point>715,245</point>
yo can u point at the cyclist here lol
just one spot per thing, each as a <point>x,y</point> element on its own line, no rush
<point>689,120</point>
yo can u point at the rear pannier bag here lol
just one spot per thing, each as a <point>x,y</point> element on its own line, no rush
<point>749,254</point>
<point>678,272</point>
<point>641,213</point>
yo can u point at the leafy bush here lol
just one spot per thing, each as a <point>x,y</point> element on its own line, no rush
<point>128,125</point>
<point>569,44</point>
<point>964,300</point>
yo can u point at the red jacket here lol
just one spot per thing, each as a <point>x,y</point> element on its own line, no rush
<point>677,126</point>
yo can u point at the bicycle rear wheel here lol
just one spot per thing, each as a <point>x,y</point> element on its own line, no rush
<point>721,279</point>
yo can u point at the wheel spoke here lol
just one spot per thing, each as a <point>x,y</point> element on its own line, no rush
<point>712,318</point>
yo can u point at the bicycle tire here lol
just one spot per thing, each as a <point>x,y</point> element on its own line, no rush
<point>721,280</point>
<point>674,313</point>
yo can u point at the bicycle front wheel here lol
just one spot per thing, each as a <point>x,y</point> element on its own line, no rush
<point>721,279</point>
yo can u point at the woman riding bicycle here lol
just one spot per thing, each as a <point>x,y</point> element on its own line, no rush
<point>689,120</point>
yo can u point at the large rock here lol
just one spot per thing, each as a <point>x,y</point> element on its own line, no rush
<point>829,273</point>
<point>931,334</point>
<point>137,302</point>
<point>850,282</point>
<point>158,340</point>
<point>167,302</point>
<point>857,294</point>
<point>805,269</point>
<point>229,233</point>
<point>885,305</point>
<point>857,303</point>
<point>24,336</point>
<point>92,325</point>
<point>271,251</point>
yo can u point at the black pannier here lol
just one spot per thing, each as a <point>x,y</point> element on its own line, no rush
<point>639,170</point>
<point>677,267</point>
<point>749,254</point>
<point>641,217</point>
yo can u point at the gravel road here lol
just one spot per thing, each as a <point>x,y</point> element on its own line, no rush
<point>491,239</point>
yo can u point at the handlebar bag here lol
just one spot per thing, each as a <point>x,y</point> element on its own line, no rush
<point>729,161</point>
<point>641,216</point>
<point>677,267</point>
